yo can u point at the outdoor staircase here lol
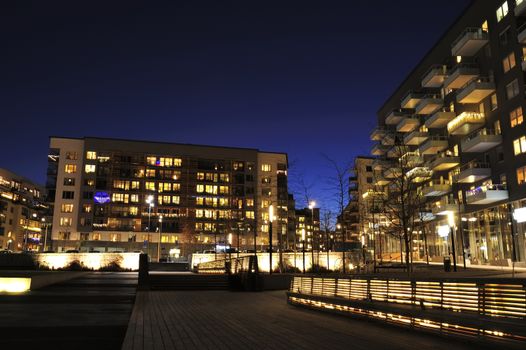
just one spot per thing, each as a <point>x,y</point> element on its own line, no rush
<point>188,282</point>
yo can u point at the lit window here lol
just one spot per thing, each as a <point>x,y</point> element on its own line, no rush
<point>70,168</point>
<point>266,167</point>
<point>249,215</point>
<point>223,189</point>
<point>224,178</point>
<point>199,201</point>
<point>200,176</point>
<point>96,237</point>
<point>237,166</point>
<point>86,208</point>
<point>135,185</point>
<point>89,168</point>
<point>519,145</point>
<point>211,189</point>
<point>115,237</point>
<point>134,198</point>
<point>175,199</point>
<point>165,162</point>
<point>149,186</point>
<point>502,11</point>
<point>120,197</point>
<point>133,211</point>
<point>66,208</point>
<point>91,155</point>
<point>223,202</point>
<point>521,175</point>
<point>150,172</point>
<point>508,62</point>
<point>250,202</point>
<point>65,221</point>
<point>151,160</point>
<point>178,162</point>
<point>199,213</point>
<point>200,188</point>
<point>516,117</point>
<point>123,185</point>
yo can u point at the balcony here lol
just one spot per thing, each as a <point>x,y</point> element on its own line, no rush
<point>380,180</point>
<point>444,162</point>
<point>429,104</point>
<point>380,164</point>
<point>392,173</point>
<point>419,174</point>
<point>396,151</point>
<point>445,206</point>
<point>415,138</point>
<point>465,123</point>
<point>461,75</point>
<point>408,124</point>
<point>435,76</point>
<point>520,7</point>
<point>475,91</point>
<point>433,145</point>
<point>377,134</point>
<point>439,119</point>
<point>395,116</point>
<point>412,99</point>
<point>469,42</point>
<point>472,172</point>
<point>481,141</point>
<point>487,194</point>
<point>378,150</point>
<point>522,34</point>
<point>436,189</point>
<point>411,159</point>
<point>389,139</point>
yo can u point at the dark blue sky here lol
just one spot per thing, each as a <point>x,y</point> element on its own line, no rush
<point>302,77</point>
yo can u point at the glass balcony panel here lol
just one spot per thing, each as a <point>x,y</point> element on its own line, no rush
<point>469,42</point>
<point>475,91</point>
<point>481,141</point>
<point>460,75</point>
<point>487,194</point>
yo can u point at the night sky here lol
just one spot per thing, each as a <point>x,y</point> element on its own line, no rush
<point>302,77</point>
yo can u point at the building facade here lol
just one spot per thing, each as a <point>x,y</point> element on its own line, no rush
<point>455,127</point>
<point>165,198</point>
<point>23,213</point>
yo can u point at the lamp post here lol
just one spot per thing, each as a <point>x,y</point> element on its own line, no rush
<point>451,223</point>
<point>303,247</point>
<point>338,228</point>
<point>311,207</point>
<point>149,201</point>
<point>159,241</point>
<point>270,219</point>
<point>45,233</point>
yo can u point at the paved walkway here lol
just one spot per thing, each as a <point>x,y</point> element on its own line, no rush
<point>229,320</point>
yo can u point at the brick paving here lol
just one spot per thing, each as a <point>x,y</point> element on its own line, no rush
<point>229,320</point>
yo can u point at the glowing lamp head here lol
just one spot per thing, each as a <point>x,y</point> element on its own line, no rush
<point>303,234</point>
<point>149,200</point>
<point>312,204</point>
<point>451,219</point>
<point>161,218</point>
<point>271,213</point>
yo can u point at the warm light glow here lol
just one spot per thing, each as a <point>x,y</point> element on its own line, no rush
<point>94,261</point>
<point>443,230</point>
<point>271,213</point>
<point>303,234</point>
<point>451,219</point>
<point>465,117</point>
<point>14,284</point>
<point>312,204</point>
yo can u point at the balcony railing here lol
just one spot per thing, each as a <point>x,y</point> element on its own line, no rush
<point>395,116</point>
<point>411,99</point>
<point>460,75</point>
<point>415,138</point>
<point>472,172</point>
<point>434,77</point>
<point>408,124</point>
<point>439,119</point>
<point>522,34</point>
<point>469,42</point>
<point>433,145</point>
<point>444,161</point>
<point>465,123</point>
<point>429,104</point>
<point>520,7</point>
<point>476,90</point>
<point>487,194</point>
<point>481,141</point>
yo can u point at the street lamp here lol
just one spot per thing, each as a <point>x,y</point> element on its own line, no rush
<point>303,247</point>
<point>45,233</point>
<point>149,201</point>
<point>311,207</point>
<point>338,228</point>
<point>270,219</point>
<point>451,223</point>
<point>159,242</point>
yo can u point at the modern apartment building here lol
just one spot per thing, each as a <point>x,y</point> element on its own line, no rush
<point>308,230</point>
<point>23,212</point>
<point>456,123</point>
<point>126,195</point>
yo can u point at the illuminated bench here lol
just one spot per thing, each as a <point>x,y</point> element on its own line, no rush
<point>14,284</point>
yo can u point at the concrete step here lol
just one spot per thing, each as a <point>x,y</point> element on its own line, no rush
<point>189,282</point>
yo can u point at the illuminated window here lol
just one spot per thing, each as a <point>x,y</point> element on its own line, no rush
<point>485,27</point>
<point>250,202</point>
<point>223,189</point>
<point>210,214</point>
<point>133,211</point>
<point>178,162</point>
<point>209,226</point>
<point>176,199</point>
<point>198,226</point>
<point>519,145</point>
<point>89,168</point>
<point>135,185</point>
<point>123,185</point>
<point>165,187</point>
<point>211,177</point>
<point>249,215</point>
<point>115,237</point>
<point>120,197</point>
<point>265,203</point>
<point>512,89</point>
<point>151,160</point>
<point>223,202</point>
<point>66,208</point>
<point>149,186</point>
<point>200,176</point>
<point>516,117</point>
<point>521,175</point>
<point>200,188</point>
<point>96,237</point>
<point>502,11</point>
<point>199,213</point>
<point>497,128</point>
<point>211,189</point>
<point>224,178</point>
<point>91,155</point>
<point>508,62</point>
<point>150,172</point>
<point>89,182</point>
<point>266,167</point>
<point>199,201</point>
<point>134,198</point>
<point>176,187</point>
<point>166,162</point>
<point>211,202</point>
<point>70,168</point>
<point>65,222</point>
<point>86,208</point>
<point>237,166</point>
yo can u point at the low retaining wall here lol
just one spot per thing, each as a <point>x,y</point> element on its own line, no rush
<point>92,261</point>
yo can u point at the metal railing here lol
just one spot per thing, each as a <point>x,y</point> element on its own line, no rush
<point>229,265</point>
<point>473,32</point>
<point>494,298</point>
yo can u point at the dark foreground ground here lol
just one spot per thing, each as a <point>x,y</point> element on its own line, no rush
<point>90,312</point>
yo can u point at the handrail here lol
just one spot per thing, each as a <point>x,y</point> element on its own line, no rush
<point>474,80</point>
<point>440,68</point>
<point>480,132</point>
<point>474,164</point>
<point>485,188</point>
<point>478,34</point>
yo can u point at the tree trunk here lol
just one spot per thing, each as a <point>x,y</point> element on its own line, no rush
<point>407,253</point>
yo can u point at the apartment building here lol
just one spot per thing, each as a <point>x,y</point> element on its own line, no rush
<point>23,213</point>
<point>456,123</point>
<point>175,199</point>
<point>308,232</point>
